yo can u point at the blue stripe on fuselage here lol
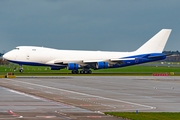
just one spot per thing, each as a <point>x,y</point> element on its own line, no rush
<point>140,59</point>
<point>35,64</point>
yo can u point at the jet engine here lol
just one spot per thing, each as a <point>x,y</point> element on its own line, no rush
<point>72,66</point>
<point>101,65</point>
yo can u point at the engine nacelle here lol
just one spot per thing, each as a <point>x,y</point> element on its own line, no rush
<point>101,65</point>
<point>55,68</point>
<point>72,66</point>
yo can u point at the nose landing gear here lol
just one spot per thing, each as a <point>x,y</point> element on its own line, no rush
<point>21,68</point>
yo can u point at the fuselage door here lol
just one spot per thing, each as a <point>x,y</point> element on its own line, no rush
<point>27,56</point>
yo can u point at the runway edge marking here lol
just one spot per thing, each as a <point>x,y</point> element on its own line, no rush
<point>151,107</point>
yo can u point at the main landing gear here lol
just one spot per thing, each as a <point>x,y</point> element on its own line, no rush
<point>85,72</point>
<point>81,72</point>
<point>75,72</point>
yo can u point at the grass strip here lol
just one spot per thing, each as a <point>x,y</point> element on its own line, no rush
<point>24,74</point>
<point>129,69</point>
<point>147,115</point>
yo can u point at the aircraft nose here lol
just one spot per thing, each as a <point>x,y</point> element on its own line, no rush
<point>6,56</point>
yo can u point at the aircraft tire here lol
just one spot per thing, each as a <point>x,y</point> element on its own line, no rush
<point>89,71</point>
<point>86,71</point>
<point>82,72</point>
<point>21,70</point>
<point>75,72</point>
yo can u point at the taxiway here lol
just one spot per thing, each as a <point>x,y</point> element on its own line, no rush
<point>86,97</point>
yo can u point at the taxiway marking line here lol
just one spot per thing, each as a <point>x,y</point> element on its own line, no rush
<point>151,107</point>
<point>36,97</point>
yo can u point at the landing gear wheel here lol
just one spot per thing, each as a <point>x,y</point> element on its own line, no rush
<point>82,72</point>
<point>85,72</point>
<point>21,70</point>
<point>89,71</point>
<point>75,72</point>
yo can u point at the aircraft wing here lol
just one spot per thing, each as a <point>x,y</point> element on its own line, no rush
<point>64,61</point>
<point>112,61</point>
<point>98,63</point>
<point>90,62</point>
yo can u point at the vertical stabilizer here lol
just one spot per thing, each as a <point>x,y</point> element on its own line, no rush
<point>156,44</point>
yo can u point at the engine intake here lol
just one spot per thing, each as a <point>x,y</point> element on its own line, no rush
<point>72,66</point>
<point>101,65</point>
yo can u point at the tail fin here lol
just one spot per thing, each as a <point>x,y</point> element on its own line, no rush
<point>156,44</point>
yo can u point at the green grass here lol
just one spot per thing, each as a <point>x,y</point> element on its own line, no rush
<point>31,69</point>
<point>146,116</point>
<point>129,69</point>
<point>141,69</point>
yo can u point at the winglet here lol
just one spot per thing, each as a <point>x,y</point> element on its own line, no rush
<point>157,43</point>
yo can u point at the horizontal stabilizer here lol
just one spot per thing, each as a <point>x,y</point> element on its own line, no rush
<point>146,56</point>
<point>159,56</point>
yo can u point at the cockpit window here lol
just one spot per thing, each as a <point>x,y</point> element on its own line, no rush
<point>16,48</point>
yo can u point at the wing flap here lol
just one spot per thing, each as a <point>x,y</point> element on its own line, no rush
<point>93,61</point>
<point>64,61</point>
<point>58,62</point>
<point>117,60</point>
<point>89,61</point>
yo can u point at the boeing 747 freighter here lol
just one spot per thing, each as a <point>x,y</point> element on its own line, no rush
<point>86,60</point>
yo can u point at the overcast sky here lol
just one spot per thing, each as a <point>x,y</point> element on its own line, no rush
<point>107,25</point>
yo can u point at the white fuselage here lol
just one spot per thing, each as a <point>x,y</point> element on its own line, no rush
<point>46,55</point>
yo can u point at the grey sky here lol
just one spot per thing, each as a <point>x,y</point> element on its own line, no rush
<point>111,25</point>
